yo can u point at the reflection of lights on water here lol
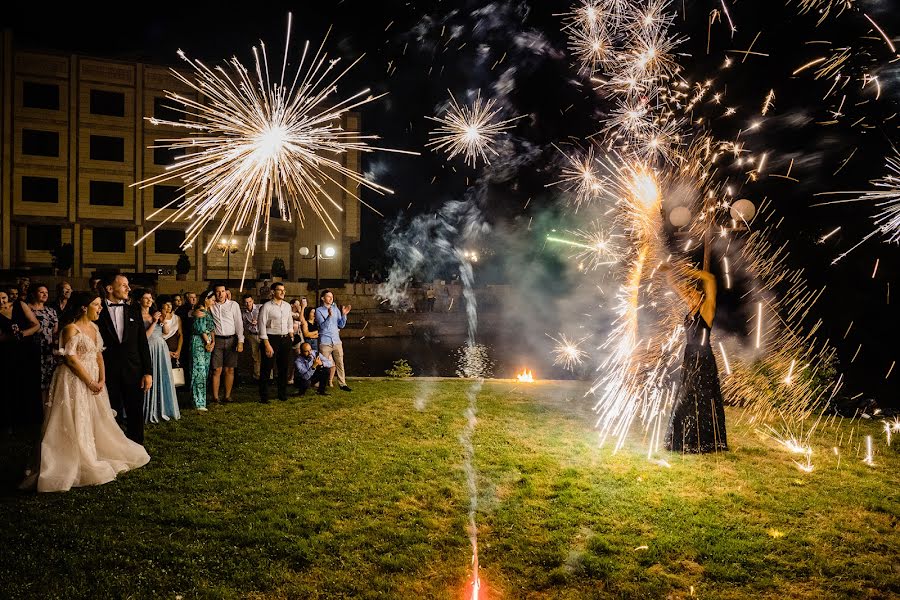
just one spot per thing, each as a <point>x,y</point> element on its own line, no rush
<point>525,376</point>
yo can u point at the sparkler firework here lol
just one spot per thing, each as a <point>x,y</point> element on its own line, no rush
<point>469,130</point>
<point>654,145</point>
<point>260,142</point>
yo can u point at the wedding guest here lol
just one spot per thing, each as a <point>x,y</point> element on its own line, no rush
<point>19,364</point>
<point>160,401</point>
<point>202,344</point>
<point>309,328</point>
<point>330,320</point>
<point>312,369</point>
<point>276,331</point>
<point>61,303</point>
<point>79,403</point>
<point>250,317</point>
<point>229,341</point>
<point>172,331</point>
<point>186,313</point>
<point>46,336</point>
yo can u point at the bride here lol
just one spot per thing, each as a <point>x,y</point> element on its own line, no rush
<point>81,443</point>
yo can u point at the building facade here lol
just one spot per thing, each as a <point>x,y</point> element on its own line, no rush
<point>76,137</point>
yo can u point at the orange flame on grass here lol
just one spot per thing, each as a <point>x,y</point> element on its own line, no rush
<point>525,376</point>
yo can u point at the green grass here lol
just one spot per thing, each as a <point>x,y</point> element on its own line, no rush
<point>361,495</point>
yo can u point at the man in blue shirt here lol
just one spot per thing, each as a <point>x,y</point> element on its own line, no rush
<point>330,321</point>
<point>311,369</point>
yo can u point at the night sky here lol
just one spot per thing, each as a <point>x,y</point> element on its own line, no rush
<point>418,51</point>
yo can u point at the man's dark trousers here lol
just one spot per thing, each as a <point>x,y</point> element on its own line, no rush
<point>320,377</point>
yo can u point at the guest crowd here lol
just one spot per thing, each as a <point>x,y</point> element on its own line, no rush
<point>93,367</point>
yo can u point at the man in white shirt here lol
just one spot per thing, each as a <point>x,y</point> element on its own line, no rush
<point>276,332</point>
<point>229,341</point>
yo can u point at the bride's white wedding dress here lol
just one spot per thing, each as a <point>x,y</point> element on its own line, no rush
<point>82,444</point>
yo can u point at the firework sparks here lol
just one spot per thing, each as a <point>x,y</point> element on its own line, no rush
<point>594,247</point>
<point>568,352</point>
<point>469,130</point>
<point>869,459</point>
<point>260,142</point>
<point>580,177</point>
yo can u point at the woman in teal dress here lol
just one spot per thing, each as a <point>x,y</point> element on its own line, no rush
<point>202,341</point>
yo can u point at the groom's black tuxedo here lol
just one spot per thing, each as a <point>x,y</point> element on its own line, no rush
<point>126,363</point>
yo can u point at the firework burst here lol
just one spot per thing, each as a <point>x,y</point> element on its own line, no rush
<point>567,352</point>
<point>260,142</point>
<point>581,177</point>
<point>886,198</point>
<point>597,248</point>
<point>469,130</point>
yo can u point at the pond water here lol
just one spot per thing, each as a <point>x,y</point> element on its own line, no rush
<point>440,357</point>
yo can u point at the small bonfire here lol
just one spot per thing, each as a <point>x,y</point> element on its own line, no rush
<point>525,376</point>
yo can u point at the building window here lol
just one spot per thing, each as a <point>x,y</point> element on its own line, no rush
<point>164,194</point>
<point>166,156</point>
<point>40,143</point>
<point>164,109</point>
<point>40,189</point>
<point>168,241</point>
<point>42,237</point>
<point>104,147</point>
<point>107,239</point>
<point>111,104</point>
<point>107,193</point>
<point>40,95</point>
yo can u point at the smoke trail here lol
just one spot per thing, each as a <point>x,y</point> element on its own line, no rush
<point>465,439</point>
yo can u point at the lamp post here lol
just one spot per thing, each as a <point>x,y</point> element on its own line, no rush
<point>227,247</point>
<point>329,252</point>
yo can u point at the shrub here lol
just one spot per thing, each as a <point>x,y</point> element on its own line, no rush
<point>401,369</point>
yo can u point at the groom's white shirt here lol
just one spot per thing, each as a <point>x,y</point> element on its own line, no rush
<point>118,318</point>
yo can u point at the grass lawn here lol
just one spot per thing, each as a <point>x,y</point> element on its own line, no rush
<point>363,495</point>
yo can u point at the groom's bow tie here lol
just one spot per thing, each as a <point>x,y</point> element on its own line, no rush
<point>119,304</point>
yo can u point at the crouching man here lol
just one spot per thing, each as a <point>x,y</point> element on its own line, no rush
<point>312,369</point>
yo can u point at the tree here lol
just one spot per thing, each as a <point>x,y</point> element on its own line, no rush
<point>183,266</point>
<point>63,257</point>
<point>278,268</point>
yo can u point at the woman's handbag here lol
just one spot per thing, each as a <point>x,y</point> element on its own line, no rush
<point>178,374</point>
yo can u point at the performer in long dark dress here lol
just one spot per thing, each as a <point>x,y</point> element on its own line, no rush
<point>697,424</point>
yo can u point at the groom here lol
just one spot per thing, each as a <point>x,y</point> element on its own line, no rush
<point>126,357</point>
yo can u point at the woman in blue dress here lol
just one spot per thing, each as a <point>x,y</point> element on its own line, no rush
<point>202,342</point>
<point>160,401</point>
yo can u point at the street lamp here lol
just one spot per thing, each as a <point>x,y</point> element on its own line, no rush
<point>328,252</point>
<point>227,247</point>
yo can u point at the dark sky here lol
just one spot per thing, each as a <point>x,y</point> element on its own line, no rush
<point>404,40</point>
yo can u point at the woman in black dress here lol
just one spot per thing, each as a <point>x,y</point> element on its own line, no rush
<point>20,366</point>
<point>698,417</point>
